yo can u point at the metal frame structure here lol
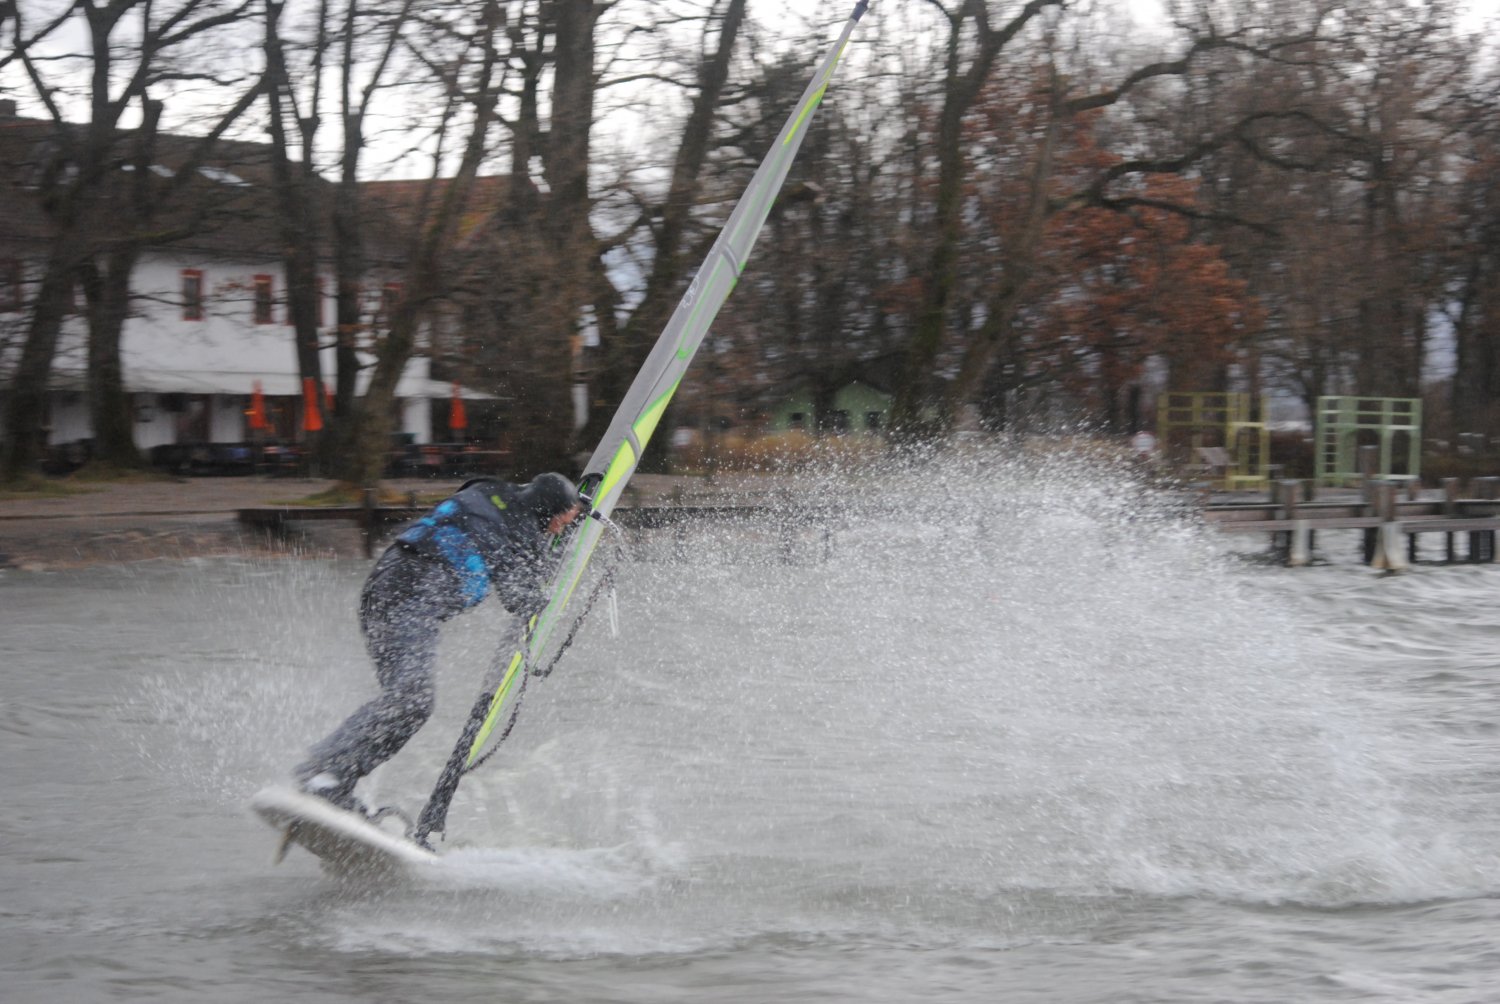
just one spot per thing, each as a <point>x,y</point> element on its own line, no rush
<point>1192,425</point>
<point>1344,421</point>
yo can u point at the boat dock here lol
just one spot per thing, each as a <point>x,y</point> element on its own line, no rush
<point>1391,517</point>
<point>375,520</point>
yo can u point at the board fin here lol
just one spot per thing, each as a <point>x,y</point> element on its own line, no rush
<point>287,839</point>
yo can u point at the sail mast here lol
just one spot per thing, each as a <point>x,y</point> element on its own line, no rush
<point>619,451</point>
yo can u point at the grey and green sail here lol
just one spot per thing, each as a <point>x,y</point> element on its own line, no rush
<point>618,454</point>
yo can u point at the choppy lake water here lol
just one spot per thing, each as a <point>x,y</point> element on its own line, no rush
<point>1009,735</point>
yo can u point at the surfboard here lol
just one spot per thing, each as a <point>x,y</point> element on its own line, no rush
<point>345,842</point>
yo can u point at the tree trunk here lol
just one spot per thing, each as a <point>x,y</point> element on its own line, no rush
<point>546,267</point>
<point>26,407</point>
<point>566,159</point>
<point>962,85</point>
<point>296,221</point>
<point>349,264</point>
<point>364,464</point>
<point>1018,266</point>
<point>624,354</point>
<point>108,296</point>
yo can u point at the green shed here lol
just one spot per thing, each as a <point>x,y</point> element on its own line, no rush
<point>859,409</point>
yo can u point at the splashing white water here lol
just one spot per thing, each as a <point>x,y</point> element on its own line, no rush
<point>1007,689</point>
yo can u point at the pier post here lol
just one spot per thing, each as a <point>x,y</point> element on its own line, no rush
<point>1369,462</point>
<point>1393,553</point>
<point>1389,553</point>
<point>1281,542</point>
<point>1301,553</point>
<point>787,506</point>
<point>367,520</point>
<point>1369,465</point>
<point>1310,494</point>
<point>679,525</point>
<point>1450,509</point>
<point>1482,542</point>
<point>1413,494</point>
<point>1293,545</point>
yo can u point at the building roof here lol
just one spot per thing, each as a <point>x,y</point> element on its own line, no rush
<point>228,206</point>
<point>408,202</point>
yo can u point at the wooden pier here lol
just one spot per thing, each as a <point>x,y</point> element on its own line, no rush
<point>1391,517</point>
<point>373,519</point>
<point>376,520</point>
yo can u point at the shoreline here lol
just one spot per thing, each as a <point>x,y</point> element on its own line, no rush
<point>198,518</point>
<point>174,519</point>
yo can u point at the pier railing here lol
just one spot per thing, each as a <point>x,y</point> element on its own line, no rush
<point>375,519</point>
<point>1390,516</point>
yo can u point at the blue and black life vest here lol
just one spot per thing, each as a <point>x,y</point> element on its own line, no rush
<point>487,534</point>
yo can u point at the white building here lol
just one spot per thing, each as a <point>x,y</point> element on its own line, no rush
<point>209,324</point>
<point>207,330</point>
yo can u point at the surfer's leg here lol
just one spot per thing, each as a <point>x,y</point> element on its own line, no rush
<point>400,614</point>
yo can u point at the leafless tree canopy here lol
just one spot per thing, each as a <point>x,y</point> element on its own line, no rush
<point>1006,208</point>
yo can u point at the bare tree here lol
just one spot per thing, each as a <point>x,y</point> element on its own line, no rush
<point>975,36</point>
<point>1349,155</point>
<point>670,222</point>
<point>1474,301</point>
<point>99,194</point>
<point>542,271</point>
<point>473,95</point>
<point>299,192</point>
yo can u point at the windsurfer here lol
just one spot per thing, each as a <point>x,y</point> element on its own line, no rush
<point>488,535</point>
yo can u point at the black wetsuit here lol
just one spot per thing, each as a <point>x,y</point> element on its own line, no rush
<point>489,535</point>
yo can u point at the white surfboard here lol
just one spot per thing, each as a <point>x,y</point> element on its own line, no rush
<point>345,842</point>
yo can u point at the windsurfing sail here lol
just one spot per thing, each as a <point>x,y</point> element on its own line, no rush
<point>619,452</point>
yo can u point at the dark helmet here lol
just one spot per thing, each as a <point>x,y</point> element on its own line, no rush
<point>549,494</point>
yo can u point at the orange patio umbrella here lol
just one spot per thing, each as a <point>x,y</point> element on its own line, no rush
<point>312,419</point>
<point>257,412</point>
<point>458,419</point>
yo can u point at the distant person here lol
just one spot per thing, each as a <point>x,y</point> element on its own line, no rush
<point>488,535</point>
<point>1143,444</point>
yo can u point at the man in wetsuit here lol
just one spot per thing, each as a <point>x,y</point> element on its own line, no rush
<point>488,535</point>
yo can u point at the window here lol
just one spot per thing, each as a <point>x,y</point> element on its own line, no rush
<point>192,294</point>
<point>263,299</point>
<point>872,421</point>
<point>795,420</point>
<point>12,296</point>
